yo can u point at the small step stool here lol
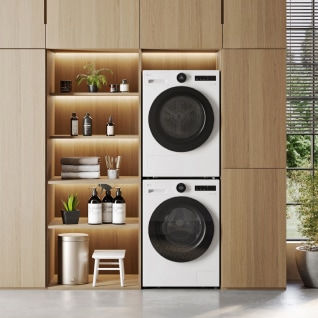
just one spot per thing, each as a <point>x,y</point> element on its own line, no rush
<point>118,255</point>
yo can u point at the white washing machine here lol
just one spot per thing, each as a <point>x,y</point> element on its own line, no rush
<point>180,233</point>
<point>181,123</point>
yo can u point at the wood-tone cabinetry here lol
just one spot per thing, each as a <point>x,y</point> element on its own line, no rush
<point>253,108</point>
<point>254,24</point>
<point>22,24</point>
<point>253,228</point>
<point>94,24</point>
<point>124,109</point>
<point>22,169</point>
<point>180,24</point>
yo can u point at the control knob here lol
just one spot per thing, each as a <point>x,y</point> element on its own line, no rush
<point>181,77</point>
<point>181,187</point>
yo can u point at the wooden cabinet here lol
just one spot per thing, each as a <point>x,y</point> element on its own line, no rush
<point>22,24</point>
<point>254,24</point>
<point>22,169</point>
<point>94,24</point>
<point>180,24</point>
<point>125,111</point>
<point>253,228</point>
<point>253,108</point>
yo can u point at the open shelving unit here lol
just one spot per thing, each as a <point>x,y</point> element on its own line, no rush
<point>125,110</point>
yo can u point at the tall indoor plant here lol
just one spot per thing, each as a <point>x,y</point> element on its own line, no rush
<point>93,77</point>
<point>307,254</point>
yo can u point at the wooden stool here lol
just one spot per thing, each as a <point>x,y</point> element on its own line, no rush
<point>118,255</point>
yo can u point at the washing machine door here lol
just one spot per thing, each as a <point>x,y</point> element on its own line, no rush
<point>181,119</point>
<point>181,229</point>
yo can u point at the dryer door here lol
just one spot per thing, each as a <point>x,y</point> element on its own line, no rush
<point>181,119</point>
<point>181,229</point>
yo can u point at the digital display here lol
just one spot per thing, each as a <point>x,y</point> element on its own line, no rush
<point>205,188</point>
<point>201,78</point>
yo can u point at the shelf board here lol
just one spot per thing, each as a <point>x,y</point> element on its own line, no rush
<point>131,223</point>
<point>95,137</point>
<point>95,94</point>
<point>102,179</point>
<point>104,281</point>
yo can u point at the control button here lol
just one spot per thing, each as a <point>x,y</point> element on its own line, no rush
<point>181,187</point>
<point>181,77</point>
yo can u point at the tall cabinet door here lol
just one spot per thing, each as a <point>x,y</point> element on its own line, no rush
<point>254,24</point>
<point>253,108</point>
<point>180,24</point>
<point>22,168</point>
<point>94,24</point>
<point>253,228</point>
<point>22,24</point>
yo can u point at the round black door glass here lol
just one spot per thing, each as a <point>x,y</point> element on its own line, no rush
<point>181,229</point>
<point>181,119</point>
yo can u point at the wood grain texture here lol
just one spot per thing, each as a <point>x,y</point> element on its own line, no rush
<point>253,224</point>
<point>94,24</point>
<point>253,108</point>
<point>179,61</point>
<point>22,24</point>
<point>254,24</point>
<point>22,169</point>
<point>180,24</point>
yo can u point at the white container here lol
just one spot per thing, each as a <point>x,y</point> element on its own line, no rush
<point>124,86</point>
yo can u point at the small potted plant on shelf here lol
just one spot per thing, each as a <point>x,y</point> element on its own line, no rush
<point>307,254</point>
<point>93,77</point>
<point>70,215</point>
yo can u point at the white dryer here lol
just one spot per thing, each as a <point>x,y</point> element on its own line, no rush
<point>180,233</point>
<point>181,123</point>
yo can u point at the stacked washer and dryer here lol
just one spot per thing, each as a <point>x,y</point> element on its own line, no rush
<point>180,178</point>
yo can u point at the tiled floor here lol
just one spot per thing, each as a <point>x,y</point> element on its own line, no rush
<point>295,301</point>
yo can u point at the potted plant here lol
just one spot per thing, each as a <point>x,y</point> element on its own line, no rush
<point>307,254</point>
<point>93,77</point>
<point>70,214</point>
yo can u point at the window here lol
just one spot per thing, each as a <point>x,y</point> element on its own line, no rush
<point>302,110</point>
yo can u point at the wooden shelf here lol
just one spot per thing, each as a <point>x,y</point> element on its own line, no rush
<point>95,137</point>
<point>131,223</point>
<point>102,179</point>
<point>98,94</point>
<point>104,281</point>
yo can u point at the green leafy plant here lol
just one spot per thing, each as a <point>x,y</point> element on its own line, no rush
<point>93,76</point>
<point>71,203</point>
<point>308,210</point>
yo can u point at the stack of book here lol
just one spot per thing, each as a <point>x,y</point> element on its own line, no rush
<point>80,167</point>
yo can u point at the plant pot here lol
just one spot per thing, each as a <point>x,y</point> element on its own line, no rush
<point>92,88</point>
<point>70,217</point>
<point>307,264</point>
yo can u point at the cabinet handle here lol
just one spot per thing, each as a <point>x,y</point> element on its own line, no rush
<point>222,11</point>
<point>45,11</point>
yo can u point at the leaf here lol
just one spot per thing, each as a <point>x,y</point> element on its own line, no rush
<point>70,202</point>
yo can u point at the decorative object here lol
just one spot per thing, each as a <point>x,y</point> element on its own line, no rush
<point>70,215</point>
<point>307,254</point>
<point>65,86</point>
<point>94,78</point>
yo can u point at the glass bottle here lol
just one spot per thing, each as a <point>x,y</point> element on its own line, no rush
<point>87,125</point>
<point>74,125</point>
<point>94,209</point>
<point>119,208</point>
<point>110,127</point>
